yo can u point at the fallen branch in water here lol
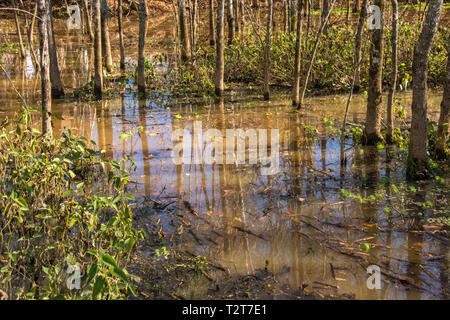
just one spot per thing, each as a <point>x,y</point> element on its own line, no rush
<point>199,241</point>
<point>249,232</point>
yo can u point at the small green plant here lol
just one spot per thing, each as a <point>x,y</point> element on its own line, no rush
<point>162,253</point>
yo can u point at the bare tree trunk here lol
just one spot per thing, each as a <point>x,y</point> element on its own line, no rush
<point>390,103</point>
<point>356,6</point>
<point>141,57</point>
<point>220,63</point>
<point>212,37</point>
<point>120,25</point>
<point>55,75</point>
<point>193,26</point>
<point>418,141</point>
<point>237,17</point>
<point>267,51</point>
<point>356,62</point>
<point>87,17</point>
<point>19,33</point>
<point>185,38</point>
<point>29,30</point>
<point>308,21</point>
<point>98,77</point>
<point>347,16</point>
<point>313,54</point>
<point>358,45</point>
<point>285,16</point>
<point>291,15</point>
<point>288,14</point>
<point>43,9</point>
<point>241,20</point>
<point>230,19</point>
<point>325,10</point>
<point>106,41</point>
<point>274,27</point>
<point>442,132</point>
<point>32,23</point>
<point>297,61</point>
<point>374,99</point>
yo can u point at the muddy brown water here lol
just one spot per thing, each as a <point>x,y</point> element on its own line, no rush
<point>290,222</point>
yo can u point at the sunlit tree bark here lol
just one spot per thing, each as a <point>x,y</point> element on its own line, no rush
<point>358,45</point>
<point>98,70</point>
<point>193,26</point>
<point>323,24</point>
<point>324,13</point>
<point>356,64</point>
<point>297,62</point>
<point>55,74</point>
<point>106,41</point>
<point>32,23</point>
<point>285,16</point>
<point>267,51</point>
<point>237,17</point>
<point>120,25</point>
<point>19,32</point>
<point>230,19</point>
<point>374,99</point>
<point>220,63</point>
<point>308,16</point>
<point>87,18</point>
<point>212,36</point>
<point>29,32</point>
<point>184,32</point>
<point>291,15</point>
<point>418,141</point>
<point>390,102</point>
<point>141,57</point>
<point>43,10</point>
<point>347,16</point>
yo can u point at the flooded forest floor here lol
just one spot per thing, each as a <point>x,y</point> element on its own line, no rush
<point>215,231</point>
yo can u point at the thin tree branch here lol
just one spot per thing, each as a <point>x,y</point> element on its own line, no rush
<point>20,10</point>
<point>14,87</point>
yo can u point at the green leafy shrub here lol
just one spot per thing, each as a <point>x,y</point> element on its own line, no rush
<point>333,67</point>
<point>50,218</point>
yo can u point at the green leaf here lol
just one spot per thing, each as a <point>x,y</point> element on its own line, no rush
<point>120,273</point>
<point>108,260</point>
<point>67,193</point>
<point>21,202</point>
<point>129,243</point>
<point>92,272</point>
<point>8,206</point>
<point>133,290</point>
<point>46,270</point>
<point>98,286</point>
